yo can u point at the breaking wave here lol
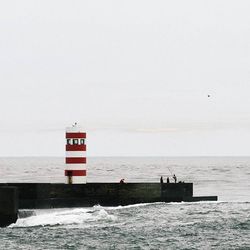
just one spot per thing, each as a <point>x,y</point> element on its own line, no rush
<point>52,217</point>
<point>67,216</point>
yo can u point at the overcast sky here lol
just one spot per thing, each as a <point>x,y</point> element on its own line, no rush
<point>136,74</point>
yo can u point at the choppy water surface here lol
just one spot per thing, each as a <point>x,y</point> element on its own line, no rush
<point>203,225</point>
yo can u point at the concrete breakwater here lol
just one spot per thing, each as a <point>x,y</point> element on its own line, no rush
<point>8,205</point>
<point>51,195</point>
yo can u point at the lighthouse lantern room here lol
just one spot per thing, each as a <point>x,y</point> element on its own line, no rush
<point>75,159</point>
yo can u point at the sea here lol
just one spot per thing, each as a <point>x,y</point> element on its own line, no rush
<point>224,224</point>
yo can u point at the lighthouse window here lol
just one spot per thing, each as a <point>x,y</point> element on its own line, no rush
<point>75,141</point>
<point>82,141</point>
<point>69,142</point>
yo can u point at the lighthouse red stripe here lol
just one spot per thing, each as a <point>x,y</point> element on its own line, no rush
<point>75,147</point>
<point>75,160</point>
<point>75,135</point>
<point>75,173</point>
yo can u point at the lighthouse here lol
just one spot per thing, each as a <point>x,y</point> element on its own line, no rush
<point>75,159</point>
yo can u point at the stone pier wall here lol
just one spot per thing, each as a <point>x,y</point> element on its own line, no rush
<point>47,195</point>
<point>8,205</point>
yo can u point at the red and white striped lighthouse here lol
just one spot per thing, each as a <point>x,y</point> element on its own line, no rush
<point>75,159</point>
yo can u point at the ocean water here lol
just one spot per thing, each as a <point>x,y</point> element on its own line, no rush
<point>203,225</point>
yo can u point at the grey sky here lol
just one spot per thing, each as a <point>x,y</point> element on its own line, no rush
<point>135,73</point>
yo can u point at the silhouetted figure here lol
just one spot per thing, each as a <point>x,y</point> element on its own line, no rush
<point>122,181</point>
<point>175,178</point>
<point>161,180</point>
<point>168,180</point>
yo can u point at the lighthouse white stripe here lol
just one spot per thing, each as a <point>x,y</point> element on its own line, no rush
<point>75,167</point>
<point>75,129</point>
<point>75,153</point>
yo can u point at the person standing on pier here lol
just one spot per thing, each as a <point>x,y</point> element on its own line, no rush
<point>175,178</point>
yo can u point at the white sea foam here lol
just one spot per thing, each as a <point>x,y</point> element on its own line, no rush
<point>134,206</point>
<point>50,217</point>
<point>64,217</point>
